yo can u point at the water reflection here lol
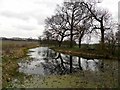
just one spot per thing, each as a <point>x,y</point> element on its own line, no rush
<point>46,62</point>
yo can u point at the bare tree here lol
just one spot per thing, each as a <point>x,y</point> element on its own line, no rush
<point>83,28</point>
<point>118,35</point>
<point>47,35</point>
<point>118,42</point>
<point>110,40</point>
<point>57,26</point>
<point>75,19</point>
<point>101,16</point>
<point>67,21</point>
<point>75,14</point>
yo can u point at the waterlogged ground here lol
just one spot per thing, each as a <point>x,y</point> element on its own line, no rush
<point>48,69</point>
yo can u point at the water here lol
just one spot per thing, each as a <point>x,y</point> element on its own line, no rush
<point>47,65</point>
<point>46,62</point>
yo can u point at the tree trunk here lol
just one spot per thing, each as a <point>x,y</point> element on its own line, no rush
<point>80,38</point>
<point>71,41</point>
<point>79,42</point>
<point>71,37</point>
<point>60,42</point>
<point>71,31</point>
<point>102,35</point>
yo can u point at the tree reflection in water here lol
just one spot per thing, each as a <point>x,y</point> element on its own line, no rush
<point>65,64</point>
<point>50,62</point>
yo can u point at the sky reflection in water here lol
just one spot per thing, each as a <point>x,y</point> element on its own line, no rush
<point>47,62</point>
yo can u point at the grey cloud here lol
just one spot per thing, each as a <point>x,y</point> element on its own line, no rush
<point>40,18</point>
<point>119,12</point>
<point>30,20</point>
<point>15,15</point>
<point>26,16</point>
<point>25,27</point>
<point>39,14</point>
<point>49,3</point>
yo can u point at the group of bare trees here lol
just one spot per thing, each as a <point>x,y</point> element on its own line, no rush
<point>118,35</point>
<point>77,18</point>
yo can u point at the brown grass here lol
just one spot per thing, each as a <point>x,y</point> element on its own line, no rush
<point>11,51</point>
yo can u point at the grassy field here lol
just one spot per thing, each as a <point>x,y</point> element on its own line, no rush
<point>11,52</point>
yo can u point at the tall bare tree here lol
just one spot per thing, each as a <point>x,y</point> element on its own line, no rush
<point>118,35</point>
<point>101,16</point>
<point>84,27</point>
<point>110,40</point>
<point>57,26</point>
<point>67,21</point>
<point>76,14</point>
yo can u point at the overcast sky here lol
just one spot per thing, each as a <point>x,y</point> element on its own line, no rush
<point>25,18</point>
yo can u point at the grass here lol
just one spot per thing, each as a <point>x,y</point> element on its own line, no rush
<point>11,52</point>
<point>91,51</point>
<point>81,79</point>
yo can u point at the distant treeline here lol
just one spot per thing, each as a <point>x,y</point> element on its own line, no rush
<point>18,39</point>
